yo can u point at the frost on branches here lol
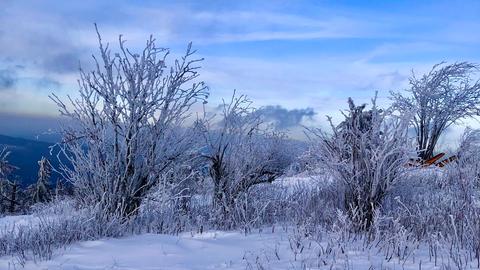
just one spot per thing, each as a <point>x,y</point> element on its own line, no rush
<point>125,126</point>
<point>242,152</point>
<point>439,99</point>
<point>42,189</point>
<point>366,153</point>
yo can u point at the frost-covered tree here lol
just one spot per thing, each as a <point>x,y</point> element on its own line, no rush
<point>366,154</point>
<point>5,167</point>
<point>126,124</point>
<point>242,152</point>
<point>9,190</point>
<point>440,98</point>
<point>42,189</point>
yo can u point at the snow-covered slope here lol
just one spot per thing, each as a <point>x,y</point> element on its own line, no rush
<point>212,250</point>
<point>227,250</point>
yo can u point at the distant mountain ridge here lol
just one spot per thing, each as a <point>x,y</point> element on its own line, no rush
<point>25,155</point>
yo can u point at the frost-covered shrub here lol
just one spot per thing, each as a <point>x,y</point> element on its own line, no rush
<point>124,131</point>
<point>440,98</point>
<point>241,152</point>
<point>55,226</point>
<point>366,154</point>
<point>439,205</point>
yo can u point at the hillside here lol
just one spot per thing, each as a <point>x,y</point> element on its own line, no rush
<point>25,155</point>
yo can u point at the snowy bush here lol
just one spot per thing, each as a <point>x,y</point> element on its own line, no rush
<point>437,206</point>
<point>366,154</point>
<point>124,131</point>
<point>242,153</point>
<point>442,97</point>
<point>55,226</point>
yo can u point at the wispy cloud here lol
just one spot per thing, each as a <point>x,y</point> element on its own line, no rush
<point>298,54</point>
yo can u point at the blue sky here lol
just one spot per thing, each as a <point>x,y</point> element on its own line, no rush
<point>292,54</point>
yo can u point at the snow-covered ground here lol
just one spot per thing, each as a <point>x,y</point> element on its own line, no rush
<point>10,223</point>
<point>303,179</point>
<point>266,249</point>
<point>212,250</point>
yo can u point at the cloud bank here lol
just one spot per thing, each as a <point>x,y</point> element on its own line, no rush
<point>283,118</point>
<point>297,54</point>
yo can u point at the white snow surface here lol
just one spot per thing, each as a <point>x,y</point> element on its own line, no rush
<point>211,250</point>
<point>11,223</point>
<point>269,248</point>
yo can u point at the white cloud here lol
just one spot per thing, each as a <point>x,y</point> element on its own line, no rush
<point>48,38</point>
